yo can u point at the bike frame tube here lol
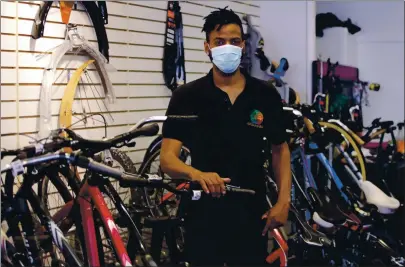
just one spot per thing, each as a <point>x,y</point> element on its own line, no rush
<point>167,196</point>
<point>90,193</point>
<point>325,162</point>
<point>89,230</point>
<point>281,252</point>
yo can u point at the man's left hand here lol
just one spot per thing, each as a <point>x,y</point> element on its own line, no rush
<point>277,216</point>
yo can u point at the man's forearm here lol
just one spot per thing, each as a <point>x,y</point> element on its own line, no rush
<point>282,171</point>
<point>175,168</point>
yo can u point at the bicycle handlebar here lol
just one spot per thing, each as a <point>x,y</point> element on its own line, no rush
<point>156,119</point>
<point>38,148</point>
<point>79,142</point>
<point>125,179</point>
<point>117,141</point>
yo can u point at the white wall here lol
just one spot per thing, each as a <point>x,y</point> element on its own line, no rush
<point>136,36</point>
<point>379,51</point>
<point>288,30</point>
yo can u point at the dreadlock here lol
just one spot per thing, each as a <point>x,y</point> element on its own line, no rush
<point>220,17</point>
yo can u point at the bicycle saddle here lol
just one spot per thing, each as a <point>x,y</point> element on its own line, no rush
<point>374,123</point>
<point>309,235</point>
<point>386,124</point>
<point>327,213</point>
<point>375,196</point>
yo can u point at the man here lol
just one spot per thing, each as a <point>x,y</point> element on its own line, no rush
<point>237,115</point>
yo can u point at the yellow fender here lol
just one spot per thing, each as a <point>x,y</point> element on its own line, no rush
<point>65,111</point>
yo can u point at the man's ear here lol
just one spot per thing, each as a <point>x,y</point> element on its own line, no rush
<point>243,46</point>
<point>206,48</point>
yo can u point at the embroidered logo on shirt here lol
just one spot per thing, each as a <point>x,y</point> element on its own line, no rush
<point>256,119</point>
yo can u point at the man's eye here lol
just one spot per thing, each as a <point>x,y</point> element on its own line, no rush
<point>220,42</point>
<point>236,42</point>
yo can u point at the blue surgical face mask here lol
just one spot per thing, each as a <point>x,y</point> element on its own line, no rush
<point>226,57</point>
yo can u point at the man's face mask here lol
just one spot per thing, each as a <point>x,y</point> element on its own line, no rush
<point>226,57</point>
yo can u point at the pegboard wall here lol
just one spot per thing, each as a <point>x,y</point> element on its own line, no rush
<point>135,32</point>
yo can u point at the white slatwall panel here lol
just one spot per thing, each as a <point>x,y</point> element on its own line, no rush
<point>136,36</point>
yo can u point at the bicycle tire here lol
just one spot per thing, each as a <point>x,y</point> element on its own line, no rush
<point>156,209</point>
<point>143,195</point>
<point>352,143</point>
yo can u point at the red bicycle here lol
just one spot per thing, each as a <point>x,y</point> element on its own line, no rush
<point>89,191</point>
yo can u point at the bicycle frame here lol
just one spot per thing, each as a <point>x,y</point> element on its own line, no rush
<point>169,195</point>
<point>325,162</point>
<point>91,194</point>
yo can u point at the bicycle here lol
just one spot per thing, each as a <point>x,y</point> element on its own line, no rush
<point>345,193</point>
<point>100,172</point>
<point>31,244</point>
<point>89,147</point>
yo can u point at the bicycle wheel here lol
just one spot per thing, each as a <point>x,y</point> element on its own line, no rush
<point>352,146</point>
<point>346,167</point>
<point>152,199</point>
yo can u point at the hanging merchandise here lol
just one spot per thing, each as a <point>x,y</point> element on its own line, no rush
<point>401,138</point>
<point>65,110</point>
<point>65,10</point>
<point>329,20</point>
<point>73,42</point>
<point>174,72</point>
<point>254,61</point>
<point>98,15</point>
<point>374,87</point>
<point>332,87</point>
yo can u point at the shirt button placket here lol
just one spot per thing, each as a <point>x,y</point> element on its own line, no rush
<point>228,103</point>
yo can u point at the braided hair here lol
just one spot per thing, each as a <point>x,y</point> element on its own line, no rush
<point>220,17</point>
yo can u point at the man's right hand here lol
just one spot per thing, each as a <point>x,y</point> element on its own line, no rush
<point>210,182</point>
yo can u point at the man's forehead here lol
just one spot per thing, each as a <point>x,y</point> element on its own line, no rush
<point>228,29</point>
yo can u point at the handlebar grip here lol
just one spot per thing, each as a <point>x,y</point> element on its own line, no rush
<point>240,190</point>
<point>133,180</point>
<point>99,168</point>
<point>309,125</point>
<point>197,194</point>
<point>182,117</point>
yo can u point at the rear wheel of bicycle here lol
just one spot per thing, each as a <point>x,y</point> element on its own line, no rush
<point>151,199</point>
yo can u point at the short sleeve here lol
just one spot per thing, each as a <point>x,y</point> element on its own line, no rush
<point>276,130</point>
<point>180,104</point>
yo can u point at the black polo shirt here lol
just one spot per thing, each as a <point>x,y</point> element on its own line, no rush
<point>228,139</point>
